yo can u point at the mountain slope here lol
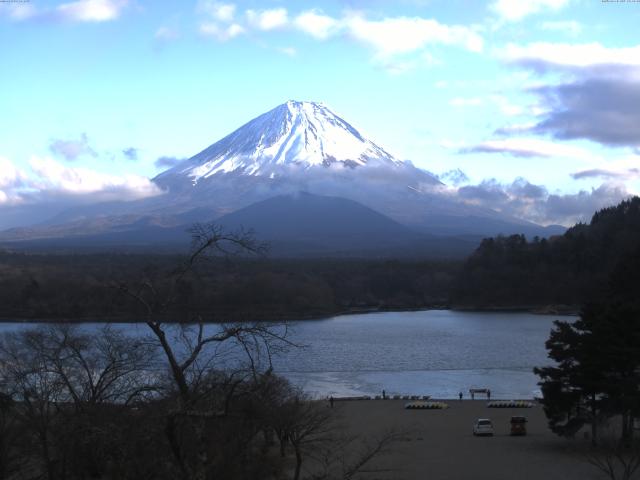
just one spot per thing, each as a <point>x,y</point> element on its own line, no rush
<point>306,224</point>
<point>300,225</point>
<point>316,217</point>
<point>294,134</point>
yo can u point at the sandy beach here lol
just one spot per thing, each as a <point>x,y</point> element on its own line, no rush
<point>439,444</point>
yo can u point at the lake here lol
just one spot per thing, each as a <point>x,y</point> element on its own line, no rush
<point>434,352</point>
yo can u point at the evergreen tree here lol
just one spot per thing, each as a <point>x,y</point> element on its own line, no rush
<point>564,270</point>
<point>597,371</point>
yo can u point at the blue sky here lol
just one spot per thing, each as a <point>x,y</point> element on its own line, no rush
<point>537,102</point>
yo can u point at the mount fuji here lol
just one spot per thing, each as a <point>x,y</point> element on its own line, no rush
<point>295,134</point>
<point>298,147</point>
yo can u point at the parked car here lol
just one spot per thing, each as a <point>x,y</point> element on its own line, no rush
<point>483,426</point>
<point>518,425</point>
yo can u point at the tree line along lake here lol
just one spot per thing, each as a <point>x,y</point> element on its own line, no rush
<point>431,352</point>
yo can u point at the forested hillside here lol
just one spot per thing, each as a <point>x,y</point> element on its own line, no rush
<point>85,287</point>
<point>563,270</point>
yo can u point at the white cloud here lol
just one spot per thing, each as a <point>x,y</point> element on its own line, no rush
<point>317,24</point>
<point>530,147</point>
<point>465,102</point>
<point>222,12</point>
<point>516,10</point>
<point>393,39</point>
<point>78,11</point>
<point>538,110</point>
<point>10,176</point>
<point>430,60</point>
<point>515,128</point>
<point>570,27</point>
<point>506,107</point>
<point>268,19</point>
<point>91,10</point>
<point>234,30</point>
<point>535,203</point>
<point>53,177</point>
<point>218,21</point>
<point>49,179</point>
<point>401,35</point>
<point>570,55</point>
<point>221,33</point>
<point>390,37</point>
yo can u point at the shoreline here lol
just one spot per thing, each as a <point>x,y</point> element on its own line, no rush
<point>560,310</point>
<point>427,398</point>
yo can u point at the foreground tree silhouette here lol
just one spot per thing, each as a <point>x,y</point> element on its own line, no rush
<point>189,357</point>
<point>10,463</point>
<point>597,374</point>
<point>70,388</point>
<point>572,390</point>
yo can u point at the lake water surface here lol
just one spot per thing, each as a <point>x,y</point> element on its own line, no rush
<point>434,352</point>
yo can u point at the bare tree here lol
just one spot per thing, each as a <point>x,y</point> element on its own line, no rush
<point>316,436</point>
<point>27,377</point>
<point>10,437</point>
<point>195,349</point>
<point>66,382</point>
<point>349,456</point>
<point>99,367</point>
<point>616,458</point>
<point>310,428</point>
<point>186,354</point>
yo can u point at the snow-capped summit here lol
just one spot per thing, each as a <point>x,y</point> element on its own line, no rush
<point>294,134</point>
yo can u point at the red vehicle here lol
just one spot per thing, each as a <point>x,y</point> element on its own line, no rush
<point>518,425</point>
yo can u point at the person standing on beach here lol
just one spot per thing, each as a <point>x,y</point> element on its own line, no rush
<point>384,395</point>
<point>460,396</point>
<point>488,394</point>
<point>331,401</point>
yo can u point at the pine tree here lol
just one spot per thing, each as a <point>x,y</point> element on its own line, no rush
<point>597,371</point>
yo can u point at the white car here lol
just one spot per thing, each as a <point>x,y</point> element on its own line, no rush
<point>483,426</point>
